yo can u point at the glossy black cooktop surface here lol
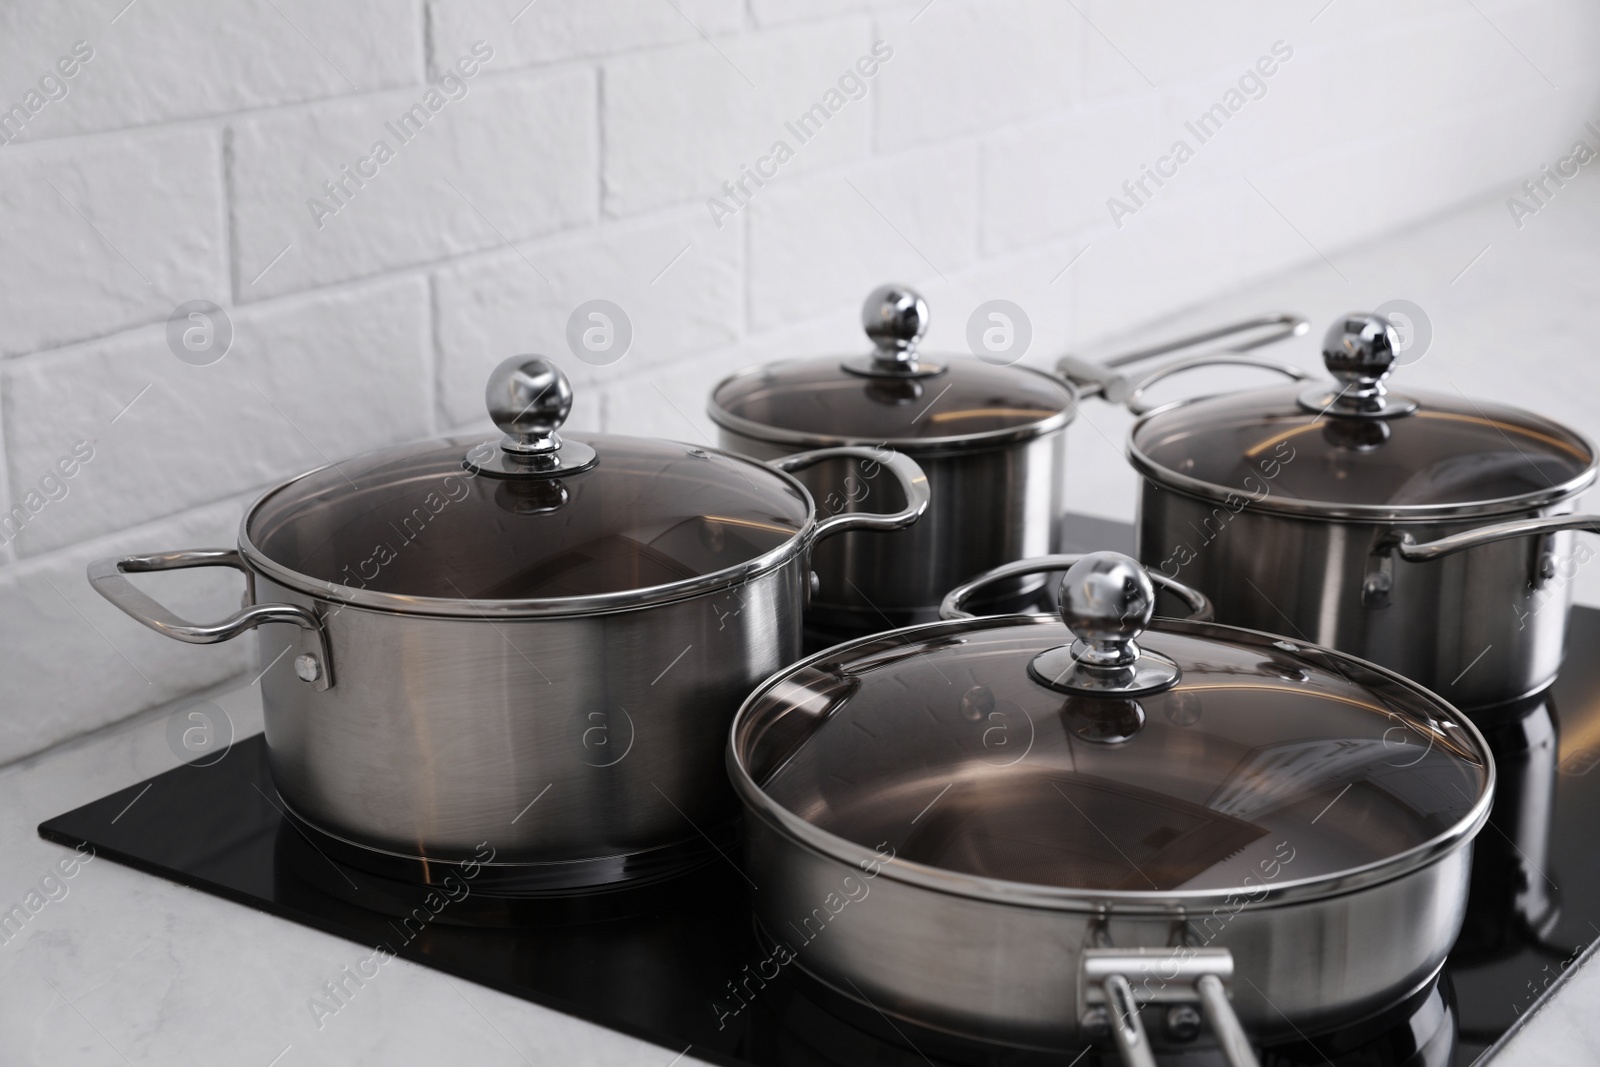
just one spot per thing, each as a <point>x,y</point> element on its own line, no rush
<point>677,963</point>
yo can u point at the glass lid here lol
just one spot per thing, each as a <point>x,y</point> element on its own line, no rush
<point>537,516</point>
<point>1353,447</point>
<point>1183,758</point>
<point>893,395</point>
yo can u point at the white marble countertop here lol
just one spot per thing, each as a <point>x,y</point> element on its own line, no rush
<point>126,968</point>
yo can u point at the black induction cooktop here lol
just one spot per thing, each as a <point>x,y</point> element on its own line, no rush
<point>672,962</point>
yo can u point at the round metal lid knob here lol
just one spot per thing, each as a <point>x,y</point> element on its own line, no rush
<point>529,399</point>
<point>1360,350</point>
<point>1107,601</point>
<point>895,319</point>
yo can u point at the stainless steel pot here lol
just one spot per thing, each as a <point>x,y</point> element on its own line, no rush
<point>1042,832</point>
<point>1430,533</point>
<point>991,439</point>
<point>536,643</point>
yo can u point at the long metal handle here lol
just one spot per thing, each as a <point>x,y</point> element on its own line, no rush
<point>905,470</point>
<point>1224,1023</point>
<point>1168,976</point>
<point>1101,378</point>
<point>107,576</point>
<point>1409,548</point>
<point>953,606</point>
<point>1127,1029</point>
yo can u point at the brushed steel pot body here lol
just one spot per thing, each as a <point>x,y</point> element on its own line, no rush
<point>441,732</point>
<point>988,506</point>
<point>1480,627</point>
<point>1010,972</point>
<point>579,737</point>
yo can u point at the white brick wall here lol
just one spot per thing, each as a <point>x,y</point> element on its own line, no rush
<point>177,161</point>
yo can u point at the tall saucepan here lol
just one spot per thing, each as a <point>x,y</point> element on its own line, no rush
<point>1039,831</point>
<point>991,439</point>
<point>531,645</point>
<point>1429,532</point>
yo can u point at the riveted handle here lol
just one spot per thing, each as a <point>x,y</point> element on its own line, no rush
<point>913,482</point>
<point>1410,549</point>
<point>313,664</point>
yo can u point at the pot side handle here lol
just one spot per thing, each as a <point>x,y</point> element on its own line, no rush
<point>107,576</point>
<point>1135,400</point>
<point>912,481</point>
<point>954,604</point>
<point>1410,549</point>
<point>1170,976</point>
<point>1106,380</point>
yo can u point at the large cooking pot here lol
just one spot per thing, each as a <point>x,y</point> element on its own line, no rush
<point>992,440</point>
<point>1030,831</point>
<point>1428,532</point>
<point>536,643</point>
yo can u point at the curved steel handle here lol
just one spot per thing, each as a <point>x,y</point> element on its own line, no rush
<point>1101,379</point>
<point>953,606</point>
<point>1410,549</point>
<point>1165,978</point>
<point>1127,1029</point>
<point>905,470</point>
<point>1135,398</point>
<point>107,578</point>
<point>1224,1023</point>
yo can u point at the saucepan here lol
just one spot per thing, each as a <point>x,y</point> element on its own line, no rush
<point>535,643</point>
<point>1429,532</point>
<point>990,435</point>
<point>1044,831</point>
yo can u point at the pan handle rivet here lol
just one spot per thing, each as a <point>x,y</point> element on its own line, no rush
<point>306,667</point>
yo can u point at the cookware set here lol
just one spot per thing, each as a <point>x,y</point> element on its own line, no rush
<point>1091,825</point>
